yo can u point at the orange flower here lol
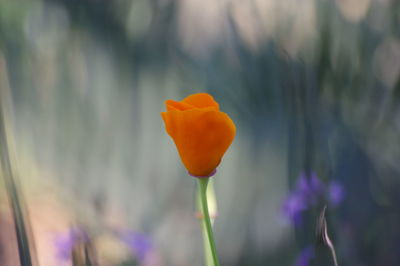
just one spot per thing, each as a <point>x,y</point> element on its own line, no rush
<point>201,133</point>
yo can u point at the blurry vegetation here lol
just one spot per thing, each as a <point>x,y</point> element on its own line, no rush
<point>312,86</point>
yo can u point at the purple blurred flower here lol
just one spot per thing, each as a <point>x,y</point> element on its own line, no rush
<point>316,185</point>
<point>140,244</point>
<point>310,188</point>
<point>65,243</point>
<point>336,193</point>
<point>305,256</point>
<point>307,193</point>
<point>293,206</point>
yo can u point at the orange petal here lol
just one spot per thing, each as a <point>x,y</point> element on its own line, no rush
<point>174,105</point>
<point>201,100</point>
<point>201,136</point>
<point>167,122</point>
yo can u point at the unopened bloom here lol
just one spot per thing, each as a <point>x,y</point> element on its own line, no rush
<point>201,132</point>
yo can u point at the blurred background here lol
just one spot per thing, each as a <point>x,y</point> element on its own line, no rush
<point>90,177</point>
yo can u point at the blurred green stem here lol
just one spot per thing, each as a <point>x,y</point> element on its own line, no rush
<point>17,208</point>
<point>203,182</point>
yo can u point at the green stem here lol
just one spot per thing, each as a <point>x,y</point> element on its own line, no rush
<point>206,218</point>
<point>208,258</point>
